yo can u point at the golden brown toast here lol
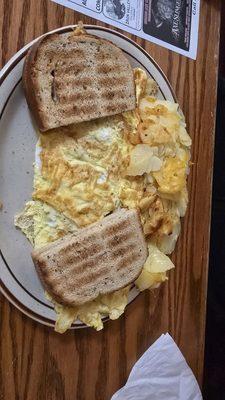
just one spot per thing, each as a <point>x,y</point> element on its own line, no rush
<point>70,78</point>
<point>99,259</point>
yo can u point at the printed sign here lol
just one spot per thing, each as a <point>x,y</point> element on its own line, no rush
<point>170,23</point>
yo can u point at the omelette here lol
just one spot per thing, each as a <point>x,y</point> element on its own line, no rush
<point>137,159</point>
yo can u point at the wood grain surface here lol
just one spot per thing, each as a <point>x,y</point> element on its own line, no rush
<point>38,364</point>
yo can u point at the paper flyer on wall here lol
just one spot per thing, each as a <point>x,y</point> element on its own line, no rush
<point>169,23</point>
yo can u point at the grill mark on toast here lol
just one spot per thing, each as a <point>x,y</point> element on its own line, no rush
<point>127,261</point>
<point>110,81</point>
<point>68,98</point>
<point>63,269</point>
<point>88,263</point>
<point>109,68</point>
<point>102,56</point>
<point>71,81</point>
<point>62,54</point>
<point>117,239</point>
<point>117,108</point>
<point>77,109</point>
<point>93,276</point>
<point>62,71</point>
<point>106,56</point>
<point>122,251</point>
<point>112,230</point>
<point>92,248</point>
<point>91,262</point>
<point>113,94</point>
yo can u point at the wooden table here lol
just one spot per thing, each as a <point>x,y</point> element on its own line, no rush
<point>37,363</point>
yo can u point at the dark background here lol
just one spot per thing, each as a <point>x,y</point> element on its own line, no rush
<point>214,374</point>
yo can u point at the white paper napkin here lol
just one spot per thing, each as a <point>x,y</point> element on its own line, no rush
<point>160,374</point>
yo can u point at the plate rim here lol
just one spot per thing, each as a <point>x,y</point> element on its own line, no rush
<point>5,71</point>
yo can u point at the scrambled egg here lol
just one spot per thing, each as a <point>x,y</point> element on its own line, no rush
<point>43,224</point>
<point>83,177</point>
<point>111,305</point>
<point>139,159</point>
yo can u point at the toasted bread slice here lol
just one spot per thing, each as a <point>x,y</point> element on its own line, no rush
<point>99,259</point>
<point>69,78</point>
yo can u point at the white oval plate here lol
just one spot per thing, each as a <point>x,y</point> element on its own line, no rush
<point>19,281</point>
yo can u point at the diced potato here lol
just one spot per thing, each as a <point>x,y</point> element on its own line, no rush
<point>143,160</point>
